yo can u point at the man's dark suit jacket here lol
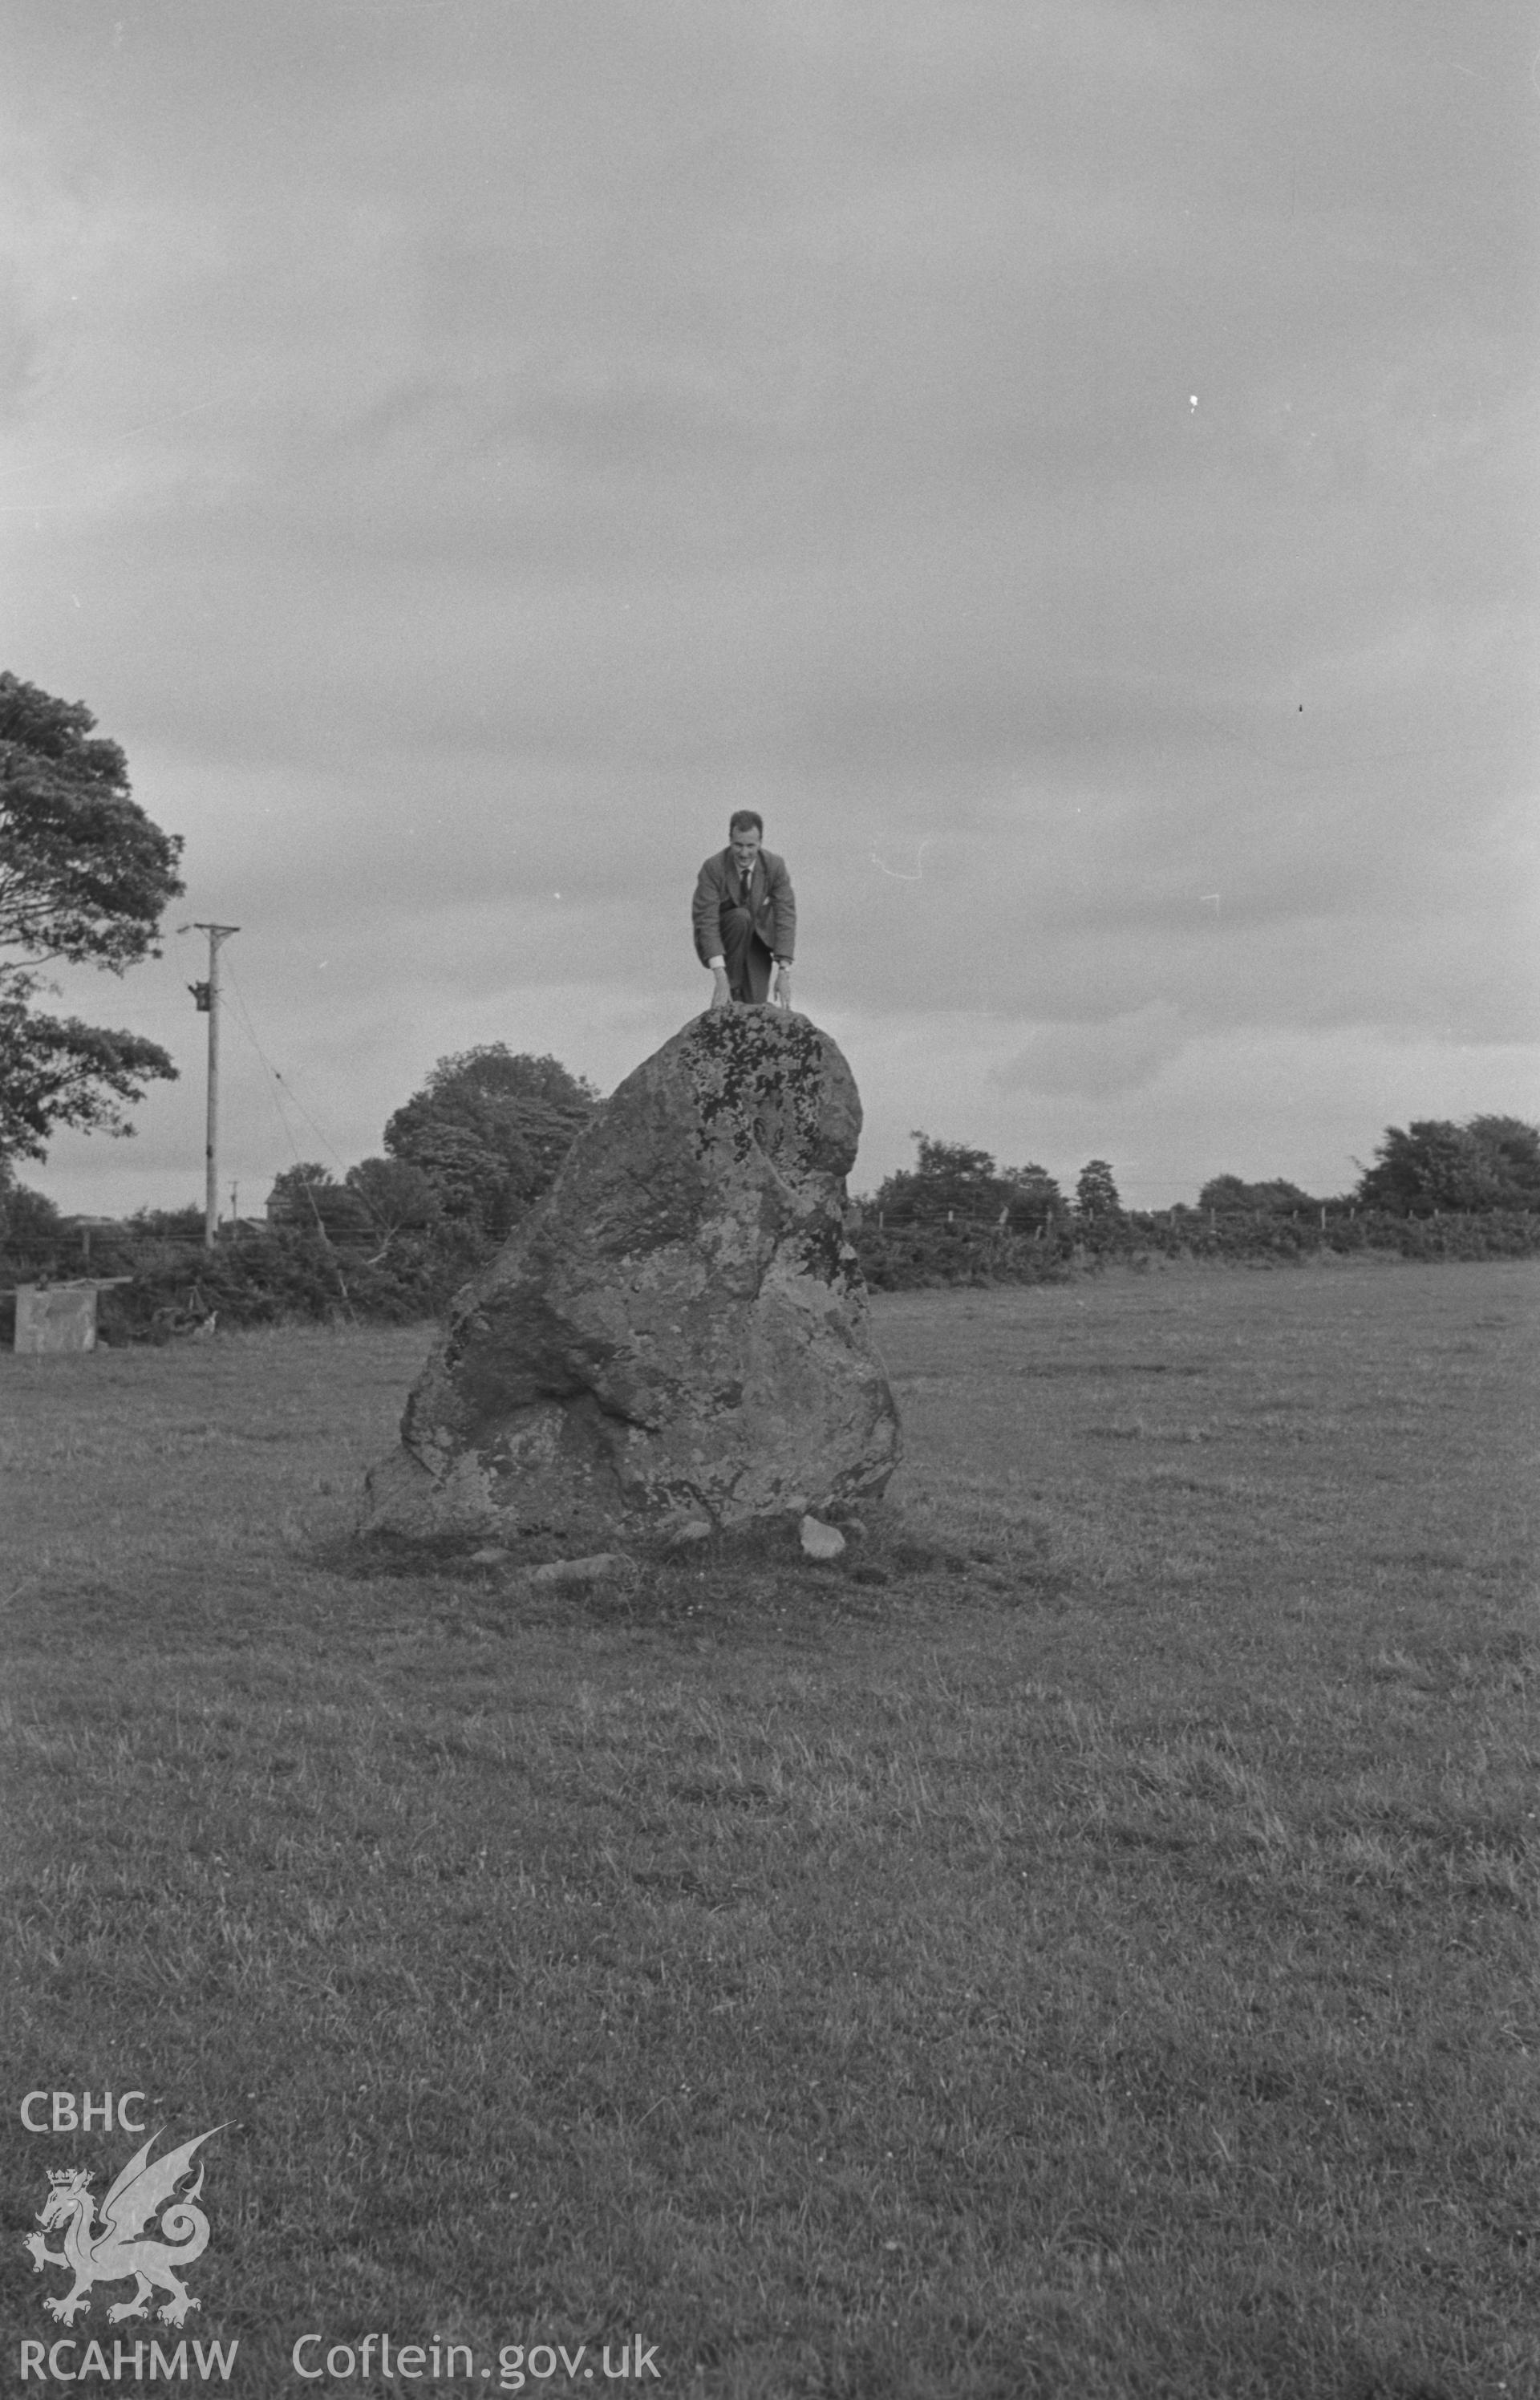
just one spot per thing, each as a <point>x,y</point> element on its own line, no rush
<point>770,899</point>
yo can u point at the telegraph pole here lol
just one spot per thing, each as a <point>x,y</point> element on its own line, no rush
<point>207,997</point>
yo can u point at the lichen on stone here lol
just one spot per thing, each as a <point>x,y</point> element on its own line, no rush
<point>759,1077</point>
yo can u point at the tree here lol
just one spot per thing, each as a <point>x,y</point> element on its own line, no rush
<point>85,878</point>
<point>398,1197</point>
<point>950,1179</point>
<point>1096,1199</point>
<point>950,1175</point>
<point>1228,1195</point>
<point>310,1197</point>
<point>1488,1162</point>
<point>25,1216</point>
<point>1511,1149</point>
<point>1035,1201</point>
<point>489,1131</point>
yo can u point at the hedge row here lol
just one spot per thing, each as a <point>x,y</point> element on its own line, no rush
<point>287,1276</point>
<point>284,1277</point>
<point>915,1256</point>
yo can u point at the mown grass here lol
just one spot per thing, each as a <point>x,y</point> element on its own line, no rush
<point>1081,1943</point>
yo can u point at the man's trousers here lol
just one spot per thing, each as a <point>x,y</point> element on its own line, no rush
<point>748,963</point>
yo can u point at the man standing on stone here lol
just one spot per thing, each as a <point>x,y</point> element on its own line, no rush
<point>746,917</point>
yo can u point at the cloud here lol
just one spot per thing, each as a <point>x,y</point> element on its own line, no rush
<point>1093,1061</point>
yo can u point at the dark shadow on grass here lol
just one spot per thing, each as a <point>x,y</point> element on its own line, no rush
<point>879,1548</point>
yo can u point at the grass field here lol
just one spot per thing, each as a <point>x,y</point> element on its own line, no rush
<point>1081,1943</point>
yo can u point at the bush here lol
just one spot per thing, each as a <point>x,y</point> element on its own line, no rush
<point>911,1256</point>
<point>170,1225</point>
<point>284,1276</point>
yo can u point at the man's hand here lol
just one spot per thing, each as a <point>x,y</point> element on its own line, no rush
<point>781,994</point>
<point>721,990</point>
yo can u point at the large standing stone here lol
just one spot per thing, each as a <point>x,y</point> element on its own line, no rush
<point>679,1330</point>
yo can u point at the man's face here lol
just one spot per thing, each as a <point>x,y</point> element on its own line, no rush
<point>746,847</point>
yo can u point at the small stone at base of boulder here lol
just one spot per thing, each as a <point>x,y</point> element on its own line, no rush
<point>821,1541</point>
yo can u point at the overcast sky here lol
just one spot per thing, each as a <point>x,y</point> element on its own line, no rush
<point>1071,466</point>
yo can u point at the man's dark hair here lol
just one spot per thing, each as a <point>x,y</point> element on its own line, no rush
<point>743,818</point>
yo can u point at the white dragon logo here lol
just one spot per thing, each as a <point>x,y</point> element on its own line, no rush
<point>116,2250</point>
